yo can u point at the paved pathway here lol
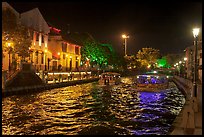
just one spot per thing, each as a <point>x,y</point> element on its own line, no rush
<point>178,123</point>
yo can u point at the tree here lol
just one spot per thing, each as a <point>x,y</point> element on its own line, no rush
<point>147,56</point>
<point>95,53</point>
<point>22,41</point>
<point>16,34</point>
<point>163,62</point>
<point>173,58</point>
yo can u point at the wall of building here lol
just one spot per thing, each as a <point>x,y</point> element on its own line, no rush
<point>190,54</point>
<point>39,31</point>
<point>67,58</point>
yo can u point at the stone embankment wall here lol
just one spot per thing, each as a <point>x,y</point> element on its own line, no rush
<point>189,120</point>
<point>184,85</point>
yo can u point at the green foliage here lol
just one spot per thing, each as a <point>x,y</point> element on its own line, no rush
<point>162,62</point>
<point>94,52</point>
<point>100,54</point>
<point>147,56</point>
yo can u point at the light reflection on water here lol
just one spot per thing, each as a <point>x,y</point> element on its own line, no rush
<point>92,109</point>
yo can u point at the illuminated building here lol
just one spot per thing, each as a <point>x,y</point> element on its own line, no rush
<point>39,29</point>
<point>190,61</point>
<point>65,51</point>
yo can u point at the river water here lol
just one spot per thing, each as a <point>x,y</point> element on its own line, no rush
<point>92,109</point>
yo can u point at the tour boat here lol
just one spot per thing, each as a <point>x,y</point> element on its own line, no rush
<point>151,82</point>
<point>109,78</point>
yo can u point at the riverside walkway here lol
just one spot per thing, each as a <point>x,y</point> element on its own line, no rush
<point>192,125</point>
<point>51,84</point>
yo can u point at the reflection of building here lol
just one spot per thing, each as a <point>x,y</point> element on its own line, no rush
<point>190,61</point>
<point>39,29</point>
<point>65,52</point>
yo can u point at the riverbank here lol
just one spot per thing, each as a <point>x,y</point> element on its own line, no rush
<point>38,88</point>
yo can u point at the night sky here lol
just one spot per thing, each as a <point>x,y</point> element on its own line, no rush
<point>162,25</point>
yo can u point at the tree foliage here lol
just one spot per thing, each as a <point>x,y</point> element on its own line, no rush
<point>147,56</point>
<point>15,33</point>
<point>173,58</point>
<point>163,62</point>
<point>94,52</point>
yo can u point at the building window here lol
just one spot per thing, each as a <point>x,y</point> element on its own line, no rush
<point>70,64</point>
<point>77,62</point>
<point>77,50</point>
<point>42,39</point>
<point>36,57</point>
<point>201,55</point>
<point>64,47</point>
<point>42,58</point>
<point>37,36</point>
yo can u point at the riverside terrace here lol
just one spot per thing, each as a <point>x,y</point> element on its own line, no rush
<point>29,81</point>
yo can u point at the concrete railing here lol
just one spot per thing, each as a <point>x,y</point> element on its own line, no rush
<point>185,84</point>
<point>57,77</point>
<point>187,87</point>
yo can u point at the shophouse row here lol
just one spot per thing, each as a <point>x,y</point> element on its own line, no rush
<point>50,50</point>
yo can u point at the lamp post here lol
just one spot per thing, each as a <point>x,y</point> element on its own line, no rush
<point>180,62</point>
<point>125,37</point>
<point>195,34</point>
<point>185,66</point>
<point>58,61</point>
<point>9,52</point>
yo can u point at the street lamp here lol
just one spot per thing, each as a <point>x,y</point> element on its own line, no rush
<point>9,52</point>
<point>185,65</point>
<point>125,37</point>
<point>195,34</point>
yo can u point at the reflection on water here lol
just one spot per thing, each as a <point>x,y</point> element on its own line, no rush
<point>92,109</point>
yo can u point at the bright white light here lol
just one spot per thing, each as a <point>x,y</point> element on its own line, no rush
<point>185,59</point>
<point>180,62</point>
<point>195,32</point>
<point>125,36</point>
<point>154,71</point>
<point>176,63</point>
<point>9,44</point>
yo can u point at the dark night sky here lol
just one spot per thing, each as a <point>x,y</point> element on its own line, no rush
<point>161,25</point>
